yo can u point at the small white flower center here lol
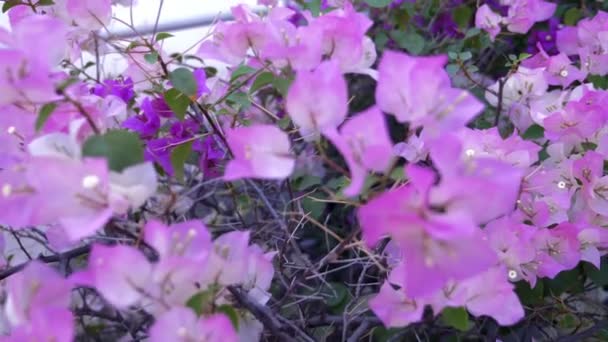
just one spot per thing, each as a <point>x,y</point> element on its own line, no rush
<point>90,181</point>
<point>191,232</point>
<point>512,274</point>
<point>7,190</point>
<point>561,185</point>
<point>563,73</point>
<point>11,130</point>
<point>470,152</point>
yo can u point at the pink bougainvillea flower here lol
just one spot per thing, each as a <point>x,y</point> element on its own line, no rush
<point>37,287</point>
<point>186,239</point>
<point>489,294</point>
<point>260,151</point>
<point>488,20</point>
<point>558,249</point>
<point>180,324</point>
<point>90,14</point>
<point>394,308</point>
<point>418,90</point>
<point>45,324</point>
<point>121,274</point>
<point>317,100</point>
<point>435,246</point>
<point>298,47</point>
<point>560,71</point>
<point>464,176</point>
<point>365,145</point>
<point>78,190</point>
<point>524,13</point>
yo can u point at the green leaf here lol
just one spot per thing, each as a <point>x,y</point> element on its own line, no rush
<point>313,207</point>
<point>465,56</point>
<point>530,296</point>
<point>10,4</point>
<point>378,3</point>
<point>45,3</point>
<point>44,114</point>
<point>572,16</point>
<point>231,313</point>
<point>411,41</point>
<point>183,80</point>
<point>121,148</point>
<point>282,84</point>
<point>589,146</point>
<point>598,276</point>
<point>335,294</point>
<point>163,35</point>
<point>240,99</point>
<point>456,317</point>
<point>570,281</point>
<point>261,81</point>
<point>151,57</point>
<point>462,16</point>
<point>534,132</point>
<point>598,81</point>
<point>240,71</point>
<point>177,101</point>
<point>201,301</point>
<point>179,156</point>
<point>381,39</point>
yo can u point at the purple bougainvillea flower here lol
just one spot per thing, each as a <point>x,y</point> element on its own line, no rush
<point>147,123</point>
<point>260,151</point>
<point>121,88</point>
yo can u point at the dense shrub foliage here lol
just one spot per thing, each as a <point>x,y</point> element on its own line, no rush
<point>371,170</point>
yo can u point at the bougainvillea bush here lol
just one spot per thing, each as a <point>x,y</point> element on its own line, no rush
<point>371,170</point>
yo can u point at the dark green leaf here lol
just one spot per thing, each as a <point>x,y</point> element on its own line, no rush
<point>10,4</point>
<point>335,294</point>
<point>163,35</point>
<point>589,146</point>
<point>261,81</point>
<point>534,132</point>
<point>179,156</point>
<point>456,317</point>
<point>462,16</point>
<point>231,313</point>
<point>44,114</point>
<point>411,41</point>
<point>151,57</point>
<point>121,148</point>
<point>566,281</point>
<point>178,102</point>
<point>378,3</point>
<point>530,296</point>
<point>45,3</point>
<point>599,277</point>
<point>183,80</point>
<point>313,208</point>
